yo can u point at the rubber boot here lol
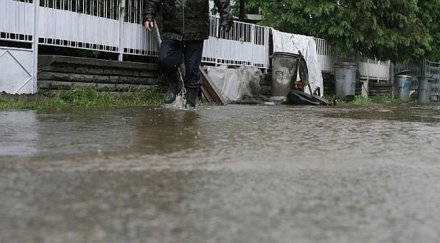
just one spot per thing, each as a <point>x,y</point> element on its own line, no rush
<point>191,97</point>
<point>173,90</point>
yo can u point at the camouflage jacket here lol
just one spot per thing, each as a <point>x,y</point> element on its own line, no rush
<point>186,19</point>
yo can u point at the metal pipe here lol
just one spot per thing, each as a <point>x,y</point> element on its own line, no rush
<point>35,45</point>
<point>121,29</point>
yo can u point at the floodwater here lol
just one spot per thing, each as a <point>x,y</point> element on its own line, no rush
<point>221,174</point>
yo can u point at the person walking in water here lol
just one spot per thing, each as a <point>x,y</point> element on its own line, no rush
<point>184,26</point>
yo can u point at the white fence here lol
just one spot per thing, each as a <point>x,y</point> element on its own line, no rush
<point>17,19</point>
<point>371,70</point>
<point>103,25</point>
<point>432,70</point>
<point>107,26</point>
<point>374,70</point>
<point>325,55</point>
<point>245,44</point>
<point>115,26</point>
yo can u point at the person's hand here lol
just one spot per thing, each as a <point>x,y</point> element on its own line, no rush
<point>225,25</point>
<point>225,28</point>
<point>149,25</point>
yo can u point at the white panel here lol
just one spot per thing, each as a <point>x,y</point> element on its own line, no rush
<point>234,52</point>
<point>16,17</point>
<point>131,30</point>
<point>373,69</point>
<point>136,37</point>
<point>71,26</point>
<point>18,78</point>
<point>3,15</point>
<point>210,48</point>
<point>326,63</point>
<point>259,55</point>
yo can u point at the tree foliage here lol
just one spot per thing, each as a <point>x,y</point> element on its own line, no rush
<point>385,29</point>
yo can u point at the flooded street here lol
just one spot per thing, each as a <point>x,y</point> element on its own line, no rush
<point>221,174</point>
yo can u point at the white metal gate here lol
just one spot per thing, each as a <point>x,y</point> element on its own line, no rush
<point>18,66</point>
<point>17,75</point>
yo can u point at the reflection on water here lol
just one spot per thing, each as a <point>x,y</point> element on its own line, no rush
<point>18,133</point>
<point>58,134</point>
<point>415,113</point>
<point>221,132</point>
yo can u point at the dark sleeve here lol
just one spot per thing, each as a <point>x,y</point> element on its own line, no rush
<point>152,6</point>
<point>224,9</point>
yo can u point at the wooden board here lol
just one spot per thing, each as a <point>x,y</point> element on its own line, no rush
<point>210,91</point>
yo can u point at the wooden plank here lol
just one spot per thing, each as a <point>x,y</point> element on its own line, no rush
<point>207,96</point>
<point>210,91</point>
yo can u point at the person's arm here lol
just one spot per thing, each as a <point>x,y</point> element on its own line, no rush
<point>150,13</point>
<point>224,9</point>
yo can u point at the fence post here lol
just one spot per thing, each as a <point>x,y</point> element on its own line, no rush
<point>217,44</point>
<point>266,46</point>
<point>391,72</point>
<point>121,30</point>
<point>35,46</point>
<point>423,72</point>
<point>254,42</point>
<point>389,63</point>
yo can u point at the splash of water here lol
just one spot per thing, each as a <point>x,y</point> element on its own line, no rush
<point>180,102</point>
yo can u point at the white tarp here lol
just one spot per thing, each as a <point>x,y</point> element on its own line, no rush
<point>292,43</point>
<point>236,84</point>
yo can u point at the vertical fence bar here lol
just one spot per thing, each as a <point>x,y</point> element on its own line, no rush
<point>253,41</point>
<point>35,46</point>
<point>423,68</point>
<point>266,45</point>
<point>121,30</point>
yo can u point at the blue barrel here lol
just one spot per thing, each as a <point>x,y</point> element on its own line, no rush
<point>402,86</point>
<point>345,78</point>
<point>284,70</point>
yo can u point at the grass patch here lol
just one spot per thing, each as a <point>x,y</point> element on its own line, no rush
<point>361,100</point>
<point>386,99</point>
<point>83,98</point>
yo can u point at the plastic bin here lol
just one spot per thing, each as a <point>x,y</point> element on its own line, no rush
<point>402,86</point>
<point>284,72</point>
<point>346,75</point>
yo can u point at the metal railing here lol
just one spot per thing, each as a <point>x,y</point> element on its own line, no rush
<point>245,44</point>
<point>106,9</point>
<point>116,26</point>
<point>432,70</point>
<point>102,25</point>
<point>374,70</point>
<point>17,19</point>
<point>413,68</point>
<point>325,55</point>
